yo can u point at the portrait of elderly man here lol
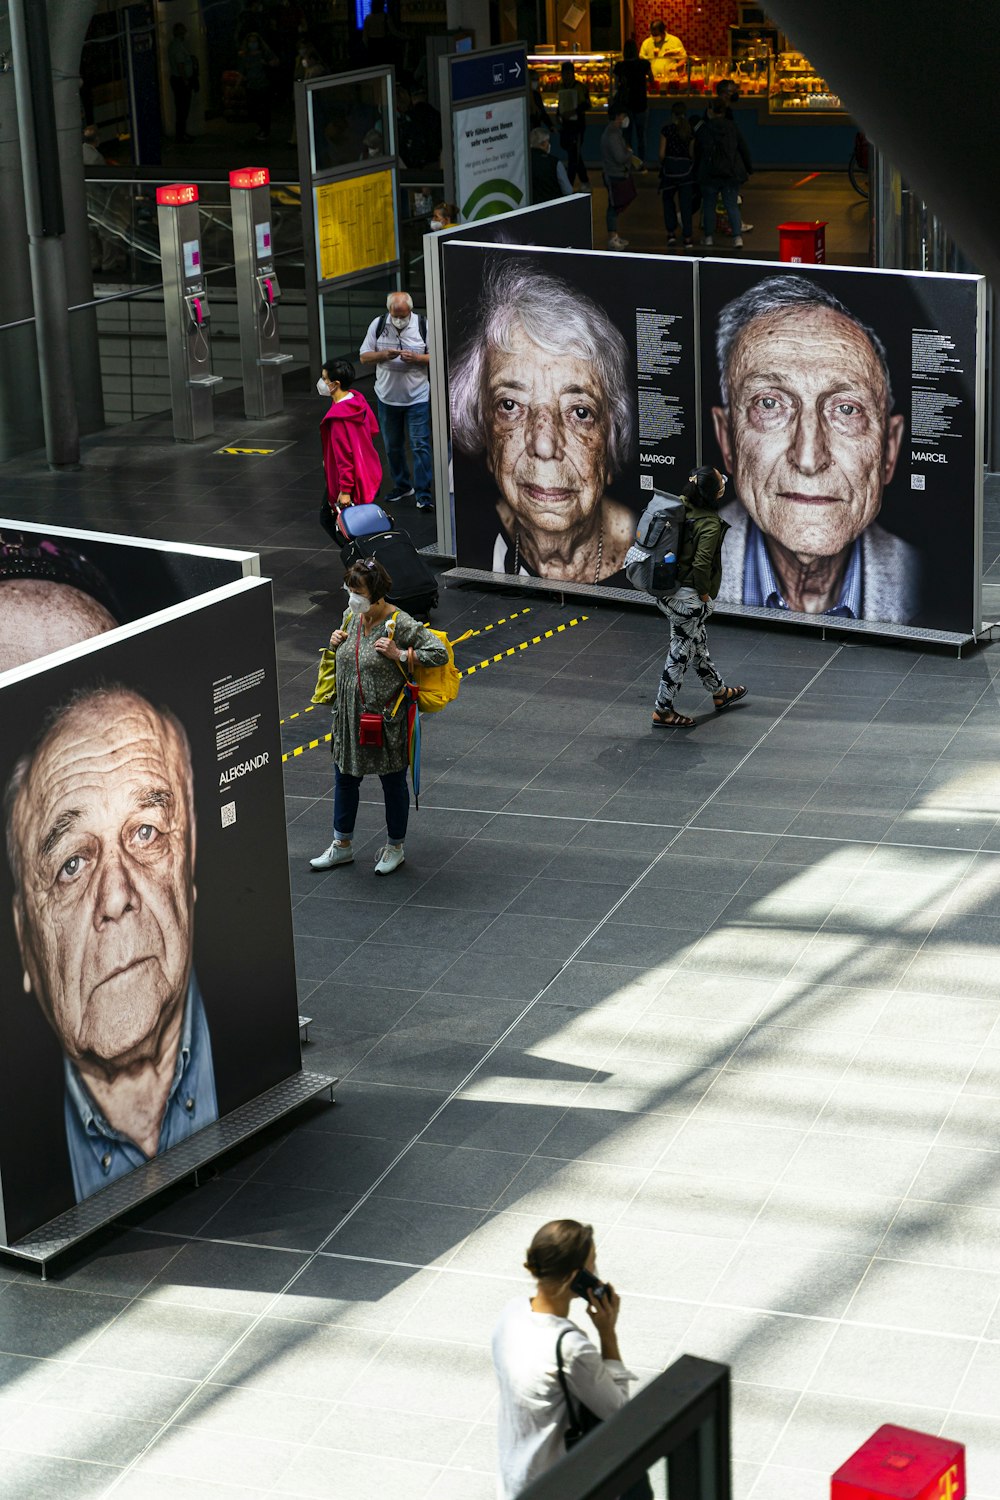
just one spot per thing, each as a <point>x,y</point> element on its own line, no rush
<point>807,431</point>
<point>100,827</point>
<point>51,596</point>
<point>542,387</point>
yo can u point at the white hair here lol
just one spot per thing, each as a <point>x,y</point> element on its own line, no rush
<point>392,297</point>
<point>519,297</point>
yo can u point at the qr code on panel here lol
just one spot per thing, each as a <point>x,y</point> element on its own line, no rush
<point>918,481</point>
<point>228,814</point>
<point>645,481</point>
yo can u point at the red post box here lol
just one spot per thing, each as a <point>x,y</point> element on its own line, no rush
<point>899,1464</point>
<point>803,242</point>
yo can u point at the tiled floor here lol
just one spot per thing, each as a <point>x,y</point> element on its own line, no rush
<point>730,995</point>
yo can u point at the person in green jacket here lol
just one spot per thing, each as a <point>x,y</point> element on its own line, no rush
<point>699,578</point>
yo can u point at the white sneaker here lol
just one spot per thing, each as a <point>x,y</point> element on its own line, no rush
<point>738,242</point>
<point>747,228</point>
<point>336,854</point>
<point>616,242</point>
<point>390,858</point>
<point>707,240</point>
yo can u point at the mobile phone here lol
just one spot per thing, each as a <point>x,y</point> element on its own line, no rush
<point>585,1284</point>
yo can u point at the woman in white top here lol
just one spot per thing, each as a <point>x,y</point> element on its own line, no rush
<point>533,1417</point>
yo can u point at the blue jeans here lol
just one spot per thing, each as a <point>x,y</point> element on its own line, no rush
<point>347,795</point>
<point>685,195</point>
<point>398,423</point>
<point>636,134</point>
<point>730,195</point>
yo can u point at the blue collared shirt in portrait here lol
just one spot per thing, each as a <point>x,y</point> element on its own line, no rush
<point>98,1153</point>
<point>761,587</point>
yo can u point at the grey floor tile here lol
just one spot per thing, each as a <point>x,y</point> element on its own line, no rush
<point>825,1430</point>
<point>714,1207</point>
<point>258,1414</point>
<point>224,1277</point>
<point>389,1111</point>
<point>69,1433</point>
<point>812,1217</point>
<point>493,1125</point>
<point>610,1137</point>
<point>600,1193</point>
<point>392,1434</point>
<point>533,937</point>
<point>341,1293</point>
<point>464,1018</point>
<point>439,1064</point>
<point>790,1279</point>
<point>549,896</point>
<point>29,1477</point>
<point>943,1235</point>
<point>930,1299</point>
<point>517,978</point>
<point>396,1230</point>
<point>213,1457</point>
<point>150,1338</point>
<point>706,1148</point>
<point>766,1348</point>
<point>266,1213</point>
<point>336,1164</point>
<point>887,1167</point>
<point>46,1321</point>
<point>456,1380</point>
<point>299,1359</point>
<point>461,1176</point>
<point>880,1364</point>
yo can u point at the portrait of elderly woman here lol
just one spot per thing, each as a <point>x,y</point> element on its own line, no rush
<point>542,388</point>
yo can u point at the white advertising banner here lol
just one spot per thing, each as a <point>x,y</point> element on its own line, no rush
<point>491,158</point>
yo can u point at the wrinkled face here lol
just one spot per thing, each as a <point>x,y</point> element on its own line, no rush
<point>37,617</point>
<point>807,436</point>
<point>106,841</point>
<point>548,426</point>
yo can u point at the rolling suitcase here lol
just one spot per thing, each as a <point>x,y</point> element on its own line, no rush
<point>345,525</point>
<point>414,582</point>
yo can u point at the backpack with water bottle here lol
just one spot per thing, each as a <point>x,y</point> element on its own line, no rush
<point>651,561</point>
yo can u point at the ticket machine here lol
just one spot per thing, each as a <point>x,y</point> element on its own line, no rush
<point>185,307</point>
<point>257,292</point>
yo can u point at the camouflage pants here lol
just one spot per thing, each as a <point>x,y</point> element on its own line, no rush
<point>688,616</point>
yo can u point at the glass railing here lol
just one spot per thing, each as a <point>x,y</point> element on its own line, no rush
<point>671,1442</point>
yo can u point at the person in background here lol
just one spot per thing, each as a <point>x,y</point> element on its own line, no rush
<point>182,66</point>
<point>256,63</point>
<point>538,115</point>
<point>722,165</point>
<point>616,166</point>
<point>549,178</point>
<point>377,648</point>
<point>666,54</point>
<point>533,1417</point>
<point>308,64</point>
<point>381,37</point>
<point>444,215</point>
<point>699,579</point>
<point>403,393</point>
<point>677,183</point>
<point>572,106</point>
<point>419,128</point>
<point>632,77</point>
<point>347,432</point>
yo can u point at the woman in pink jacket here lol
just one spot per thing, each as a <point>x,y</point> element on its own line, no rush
<point>348,433</point>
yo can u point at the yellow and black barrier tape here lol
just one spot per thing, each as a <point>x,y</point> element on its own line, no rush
<point>535,640</point>
<point>517,614</point>
<point>489,661</point>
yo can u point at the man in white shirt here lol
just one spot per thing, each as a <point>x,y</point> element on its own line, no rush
<point>666,54</point>
<point>396,343</point>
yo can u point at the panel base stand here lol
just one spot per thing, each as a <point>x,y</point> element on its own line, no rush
<point>595,592</point>
<point>183,1160</point>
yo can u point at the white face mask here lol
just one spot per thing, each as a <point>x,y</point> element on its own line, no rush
<point>400,322</point>
<point>436,224</point>
<point>625,122</point>
<point>322,387</point>
<point>358,603</point>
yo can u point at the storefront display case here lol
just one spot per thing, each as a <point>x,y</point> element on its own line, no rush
<point>797,88</point>
<point>750,75</point>
<point>593,69</point>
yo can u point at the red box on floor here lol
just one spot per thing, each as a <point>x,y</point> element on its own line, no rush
<point>897,1463</point>
<point>803,242</point>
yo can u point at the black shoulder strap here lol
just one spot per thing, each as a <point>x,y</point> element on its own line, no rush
<point>574,1420</point>
<point>422,326</point>
<point>380,325</point>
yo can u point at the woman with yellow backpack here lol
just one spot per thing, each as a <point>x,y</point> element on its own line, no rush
<point>382,663</point>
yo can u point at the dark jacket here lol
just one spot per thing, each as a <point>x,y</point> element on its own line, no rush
<point>699,561</point>
<point>721,155</point>
<point>544,176</point>
<point>633,76</point>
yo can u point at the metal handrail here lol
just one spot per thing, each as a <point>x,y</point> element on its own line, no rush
<point>139,291</point>
<point>682,1416</point>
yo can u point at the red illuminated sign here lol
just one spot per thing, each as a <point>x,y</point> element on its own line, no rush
<point>902,1464</point>
<point>176,193</point>
<point>249,177</point>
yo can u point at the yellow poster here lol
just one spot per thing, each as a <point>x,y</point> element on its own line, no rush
<point>355,224</point>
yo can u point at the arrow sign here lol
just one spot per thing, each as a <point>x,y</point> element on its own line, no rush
<point>516,70</point>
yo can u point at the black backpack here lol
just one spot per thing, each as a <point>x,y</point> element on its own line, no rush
<point>651,561</point>
<point>717,152</point>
